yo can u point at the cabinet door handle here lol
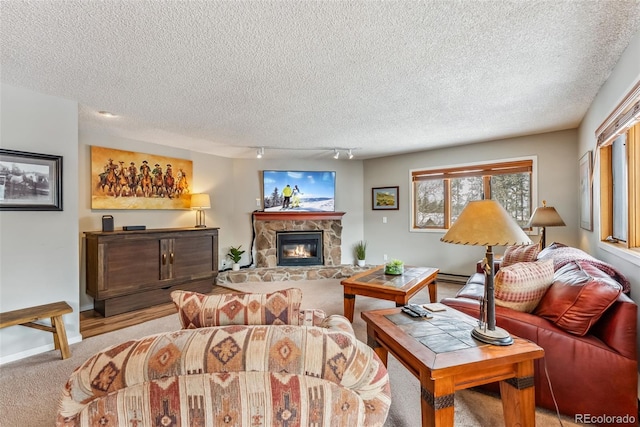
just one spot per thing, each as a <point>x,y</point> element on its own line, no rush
<point>164,259</point>
<point>171,258</point>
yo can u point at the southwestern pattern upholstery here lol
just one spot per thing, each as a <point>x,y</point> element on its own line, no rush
<point>236,375</point>
<point>197,310</point>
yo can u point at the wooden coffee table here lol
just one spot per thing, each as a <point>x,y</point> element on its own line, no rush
<point>374,283</point>
<point>441,353</point>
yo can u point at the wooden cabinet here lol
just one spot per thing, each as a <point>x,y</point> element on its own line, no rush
<point>130,270</point>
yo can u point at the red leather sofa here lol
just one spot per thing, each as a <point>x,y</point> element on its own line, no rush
<point>593,376</point>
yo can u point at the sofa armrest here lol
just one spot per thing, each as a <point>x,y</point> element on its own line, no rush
<point>618,328</point>
<point>338,322</point>
<point>474,288</point>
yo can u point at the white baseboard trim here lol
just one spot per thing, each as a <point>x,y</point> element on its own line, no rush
<point>33,351</point>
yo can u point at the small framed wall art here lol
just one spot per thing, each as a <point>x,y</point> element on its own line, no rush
<point>30,181</point>
<point>384,198</point>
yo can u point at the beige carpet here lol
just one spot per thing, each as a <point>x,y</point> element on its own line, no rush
<point>30,388</point>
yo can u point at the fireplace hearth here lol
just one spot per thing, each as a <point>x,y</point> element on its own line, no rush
<point>296,248</point>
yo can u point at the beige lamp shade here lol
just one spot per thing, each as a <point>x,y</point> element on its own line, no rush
<point>200,201</point>
<point>545,216</point>
<point>485,223</point>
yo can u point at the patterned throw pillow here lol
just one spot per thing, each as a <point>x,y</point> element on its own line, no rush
<point>196,310</point>
<point>521,286</point>
<point>523,253</point>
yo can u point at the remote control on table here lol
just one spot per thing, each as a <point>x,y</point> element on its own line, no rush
<point>422,312</point>
<point>409,312</point>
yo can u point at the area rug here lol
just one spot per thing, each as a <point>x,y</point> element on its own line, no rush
<point>30,388</point>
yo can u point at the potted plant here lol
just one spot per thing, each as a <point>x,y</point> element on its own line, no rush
<point>360,249</point>
<point>394,267</point>
<point>236,255</point>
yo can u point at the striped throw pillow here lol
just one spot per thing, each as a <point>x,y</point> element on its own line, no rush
<point>522,253</point>
<point>521,286</point>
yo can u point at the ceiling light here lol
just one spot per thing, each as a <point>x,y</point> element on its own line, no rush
<point>260,152</point>
<point>350,154</point>
<point>106,114</point>
<point>337,153</point>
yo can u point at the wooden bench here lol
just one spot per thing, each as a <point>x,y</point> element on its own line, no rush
<point>27,317</point>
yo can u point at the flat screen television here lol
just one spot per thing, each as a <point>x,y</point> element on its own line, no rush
<point>307,191</point>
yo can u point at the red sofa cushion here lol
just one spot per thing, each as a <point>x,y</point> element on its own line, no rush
<point>576,300</point>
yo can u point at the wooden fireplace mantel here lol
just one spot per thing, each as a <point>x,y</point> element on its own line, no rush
<point>297,216</point>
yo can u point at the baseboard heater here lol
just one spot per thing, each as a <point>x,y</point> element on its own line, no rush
<point>458,279</point>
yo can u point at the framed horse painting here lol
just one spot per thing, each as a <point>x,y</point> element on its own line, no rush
<point>129,180</point>
<point>30,181</point>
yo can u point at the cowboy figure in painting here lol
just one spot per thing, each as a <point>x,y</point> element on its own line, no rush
<point>169,181</point>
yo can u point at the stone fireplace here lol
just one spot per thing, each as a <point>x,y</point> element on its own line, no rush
<point>266,269</point>
<point>268,225</point>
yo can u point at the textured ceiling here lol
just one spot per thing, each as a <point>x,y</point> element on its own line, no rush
<point>387,77</point>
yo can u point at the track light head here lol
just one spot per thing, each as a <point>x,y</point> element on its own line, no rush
<point>260,152</point>
<point>350,154</point>
<point>337,154</point>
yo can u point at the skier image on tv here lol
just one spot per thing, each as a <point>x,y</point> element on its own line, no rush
<point>286,196</point>
<point>295,197</point>
<point>282,191</point>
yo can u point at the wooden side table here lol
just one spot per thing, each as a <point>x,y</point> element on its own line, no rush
<point>441,353</point>
<point>374,283</point>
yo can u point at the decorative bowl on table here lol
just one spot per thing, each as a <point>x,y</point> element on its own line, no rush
<point>394,268</point>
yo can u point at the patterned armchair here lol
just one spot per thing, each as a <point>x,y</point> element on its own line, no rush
<point>233,375</point>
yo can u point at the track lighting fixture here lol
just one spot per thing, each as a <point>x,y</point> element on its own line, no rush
<point>348,152</point>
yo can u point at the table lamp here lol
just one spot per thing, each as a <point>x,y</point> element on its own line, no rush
<point>198,203</point>
<point>545,216</point>
<point>487,223</point>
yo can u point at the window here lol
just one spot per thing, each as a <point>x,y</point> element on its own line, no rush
<point>439,195</point>
<point>619,152</point>
<point>619,187</point>
<point>619,155</point>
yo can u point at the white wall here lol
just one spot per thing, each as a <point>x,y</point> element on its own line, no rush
<point>39,250</point>
<point>557,183</point>
<point>623,77</point>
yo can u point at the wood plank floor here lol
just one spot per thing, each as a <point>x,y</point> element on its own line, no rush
<point>93,323</point>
